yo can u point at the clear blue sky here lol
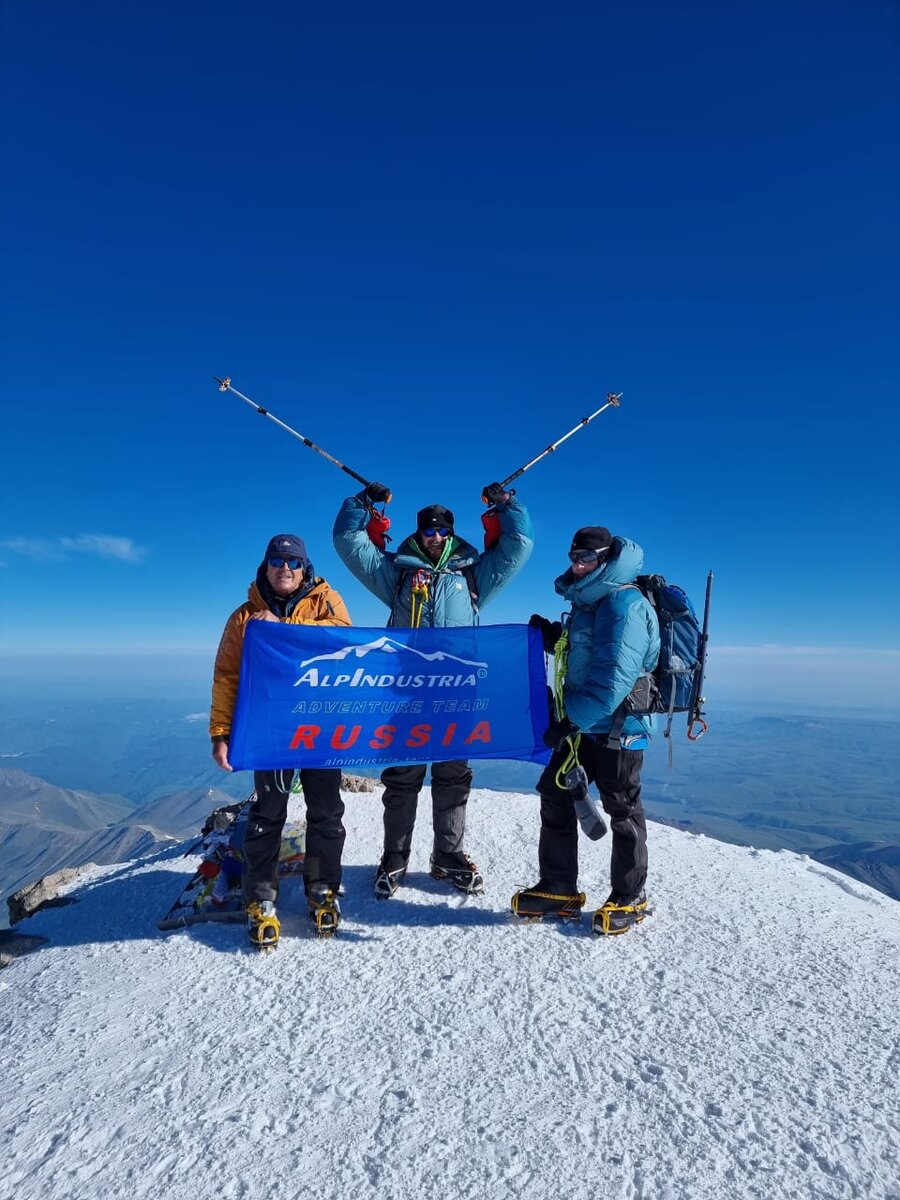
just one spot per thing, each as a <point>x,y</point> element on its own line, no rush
<point>432,237</point>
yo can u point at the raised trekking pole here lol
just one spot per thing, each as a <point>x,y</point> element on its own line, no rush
<point>489,520</point>
<point>612,401</point>
<point>696,715</point>
<point>379,524</point>
<point>225,386</point>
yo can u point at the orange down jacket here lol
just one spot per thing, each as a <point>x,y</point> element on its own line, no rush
<point>322,605</point>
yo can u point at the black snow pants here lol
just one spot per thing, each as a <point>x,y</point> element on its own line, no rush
<point>617,774</point>
<point>324,831</point>
<point>450,783</point>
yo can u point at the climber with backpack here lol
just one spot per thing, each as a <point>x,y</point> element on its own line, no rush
<point>608,643</point>
<point>435,579</point>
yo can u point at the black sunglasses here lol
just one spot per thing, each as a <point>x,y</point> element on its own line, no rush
<point>442,531</point>
<point>293,563</point>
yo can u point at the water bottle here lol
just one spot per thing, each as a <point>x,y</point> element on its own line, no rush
<point>587,807</point>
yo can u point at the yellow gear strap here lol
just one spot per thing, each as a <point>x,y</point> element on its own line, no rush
<point>418,598</point>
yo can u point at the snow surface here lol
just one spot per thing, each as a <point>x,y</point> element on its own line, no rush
<point>743,1042</point>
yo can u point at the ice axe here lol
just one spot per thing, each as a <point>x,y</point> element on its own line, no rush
<point>490,520</point>
<point>379,524</point>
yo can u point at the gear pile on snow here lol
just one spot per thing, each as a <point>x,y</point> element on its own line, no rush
<point>214,892</point>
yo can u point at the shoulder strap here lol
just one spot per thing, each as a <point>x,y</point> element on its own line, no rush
<point>468,573</point>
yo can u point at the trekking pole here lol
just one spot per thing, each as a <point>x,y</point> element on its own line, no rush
<point>225,386</point>
<point>612,401</point>
<point>490,520</point>
<point>697,716</point>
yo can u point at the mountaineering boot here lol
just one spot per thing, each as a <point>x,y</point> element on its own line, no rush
<point>548,900</point>
<point>324,908</point>
<point>457,868</point>
<point>263,927</point>
<point>619,913</point>
<point>390,874</point>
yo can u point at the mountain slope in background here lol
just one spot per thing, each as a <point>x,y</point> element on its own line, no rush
<point>743,1042</point>
<point>24,797</point>
<point>183,813</point>
<point>44,828</point>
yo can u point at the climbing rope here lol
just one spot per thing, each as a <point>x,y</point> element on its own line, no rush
<point>560,666</point>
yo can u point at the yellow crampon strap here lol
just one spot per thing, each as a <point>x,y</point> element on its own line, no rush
<point>326,917</point>
<point>418,598</point>
<point>560,666</point>
<point>613,919</point>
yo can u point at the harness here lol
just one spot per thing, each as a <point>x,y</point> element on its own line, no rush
<point>421,583</point>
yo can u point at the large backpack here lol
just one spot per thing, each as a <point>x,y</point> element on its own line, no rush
<point>676,684</point>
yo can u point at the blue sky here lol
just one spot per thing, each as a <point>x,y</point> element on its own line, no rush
<point>432,238</point>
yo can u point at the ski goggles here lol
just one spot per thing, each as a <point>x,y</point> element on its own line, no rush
<point>437,531</point>
<point>294,563</point>
<point>585,556</point>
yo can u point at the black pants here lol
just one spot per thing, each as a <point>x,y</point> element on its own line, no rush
<point>450,783</point>
<point>324,831</point>
<point>617,774</point>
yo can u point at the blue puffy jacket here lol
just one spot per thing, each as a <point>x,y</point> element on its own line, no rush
<point>389,575</point>
<point>613,639</point>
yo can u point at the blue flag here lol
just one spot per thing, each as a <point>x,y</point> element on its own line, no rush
<point>331,696</point>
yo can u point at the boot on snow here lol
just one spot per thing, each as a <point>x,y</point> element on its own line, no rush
<point>263,926</point>
<point>390,874</point>
<point>457,868</point>
<point>548,900</point>
<point>619,913</point>
<point>324,908</point>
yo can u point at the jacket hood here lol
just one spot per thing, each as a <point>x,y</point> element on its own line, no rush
<point>622,568</point>
<point>260,594</point>
<point>411,555</point>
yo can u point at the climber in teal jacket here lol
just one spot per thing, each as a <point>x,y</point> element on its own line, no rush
<point>461,580</point>
<point>613,639</point>
<point>436,580</point>
<point>608,642</point>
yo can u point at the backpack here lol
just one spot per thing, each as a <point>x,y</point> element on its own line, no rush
<point>676,683</point>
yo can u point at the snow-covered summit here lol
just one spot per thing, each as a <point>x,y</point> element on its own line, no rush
<point>743,1042</point>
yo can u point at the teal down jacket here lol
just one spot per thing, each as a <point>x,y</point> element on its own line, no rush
<point>389,575</point>
<point>613,639</point>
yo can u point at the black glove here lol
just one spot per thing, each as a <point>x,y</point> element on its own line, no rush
<point>557,732</point>
<point>550,631</point>
<point>378,493</point>
<point>494,493</point>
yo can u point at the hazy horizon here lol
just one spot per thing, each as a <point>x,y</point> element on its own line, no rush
<point>786,678</point>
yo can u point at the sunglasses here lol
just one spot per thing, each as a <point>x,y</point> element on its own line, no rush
<point>294,563</point>
<point>442,531</point>
<point>584,556</point>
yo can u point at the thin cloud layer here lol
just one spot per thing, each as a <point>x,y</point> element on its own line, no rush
<point>99,545</point>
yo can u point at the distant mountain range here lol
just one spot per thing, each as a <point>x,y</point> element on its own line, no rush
<point>26,799</point>
<point>44,828</point>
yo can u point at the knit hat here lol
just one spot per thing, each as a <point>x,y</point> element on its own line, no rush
<point>286,545</point>
<point>434,516</point>
<point>592,537</point>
